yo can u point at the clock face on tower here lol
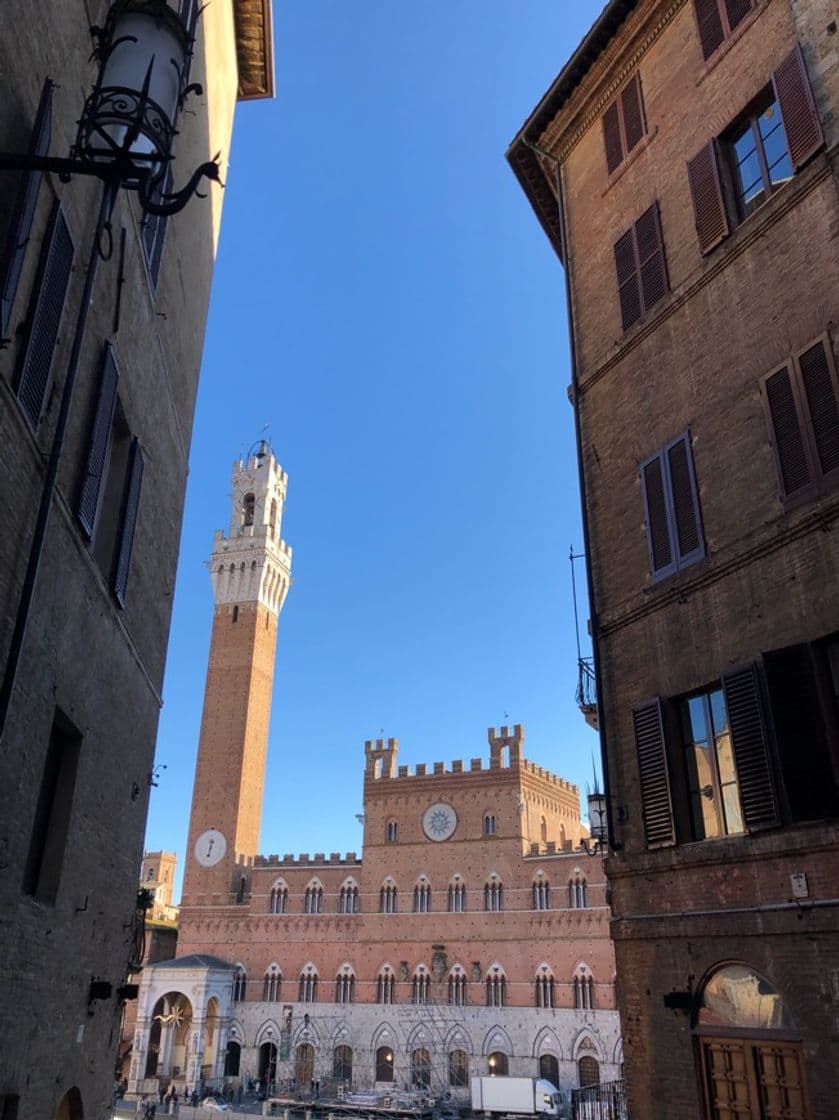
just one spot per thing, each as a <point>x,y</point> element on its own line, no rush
<point>439,821</point>
<point>210,847</point>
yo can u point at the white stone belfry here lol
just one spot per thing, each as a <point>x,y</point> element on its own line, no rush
<point>253,563</point>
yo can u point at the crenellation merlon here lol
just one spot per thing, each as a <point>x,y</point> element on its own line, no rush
<point>305,860</point>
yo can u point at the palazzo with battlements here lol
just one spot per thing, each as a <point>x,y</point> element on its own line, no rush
<point>472,937</point>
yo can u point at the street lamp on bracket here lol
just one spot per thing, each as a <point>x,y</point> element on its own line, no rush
<point>124,139</point>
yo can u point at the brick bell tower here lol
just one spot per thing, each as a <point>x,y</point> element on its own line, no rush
<point>250,570</point>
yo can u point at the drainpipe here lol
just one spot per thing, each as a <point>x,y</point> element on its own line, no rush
<point>563,226</point>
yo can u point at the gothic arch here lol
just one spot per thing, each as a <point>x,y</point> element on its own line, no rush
<point>617,1056</point>
<point>458,1038</point>
<point>420,1037</point>
<point>546,1042</point>
<point>269,1031</point>
<point>340,1034</point>
<point>236,1032</point>
<point>384,1035</point>
<point>497,1039</point>
<point>305,1033</point>
<point>588,1041</point>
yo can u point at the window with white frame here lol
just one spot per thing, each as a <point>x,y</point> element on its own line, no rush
<point>494,894</point>
<point>420,985</point>
<point>348,898</point>
<point>422,896</point>
<point>308,987</point>
<point>541,893</point>
<point>278,900</point>
<point>387,898</point>
<point>384,986</point>
<point>490,825</point>
<point>577,891</point>
<point>583,989</point>
<point>457,986</point>
<point>240,984</point>
<point>457,895</point>
<point>496,986</point>
<point>272,986</point>
<point>313,898</point>
<point>392,832</point>
<point>345,985</point>
<point>545,989</point>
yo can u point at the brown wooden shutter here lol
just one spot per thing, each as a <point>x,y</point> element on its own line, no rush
<point>688,527</point>
<point>98,443</point>
<point>791,452</point>
<point>652,268</point>
<point>632,110</point>
<point>820,391</point>
<point>50,293</point>
<point>130,509</point>
<point>801,119</point>
<point>659,542</point>
<point>709,21</point>
<point>737,10</point>
<point>612,137</point>
<point>24,211</point>
<point>629,289</point>
<point>751,751</point>
<point>656,804</point>
<point>708,203</point>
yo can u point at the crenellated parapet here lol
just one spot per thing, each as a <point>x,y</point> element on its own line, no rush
<point>319,859</point>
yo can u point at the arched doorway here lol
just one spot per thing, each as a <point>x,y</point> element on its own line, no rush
<point>751,1055</point>
<point>420,1069</point>
<point>384,1064</point>
<point>549,1069</point>
<point>232,1059</point>
<point>70,1106</point>
<point>342,1063</point>
<point>499,1066</point>
<point>588,1069</point>
<point>304,1065</point>
<point>267,1062</point>
<point>167,1046</point>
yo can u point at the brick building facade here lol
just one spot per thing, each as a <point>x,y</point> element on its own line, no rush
<point>684,164</point>
<point>82,659</point>
<point>471,937</point>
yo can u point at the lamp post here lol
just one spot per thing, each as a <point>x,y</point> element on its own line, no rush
<point>124,139</point>
<point>598,824</point>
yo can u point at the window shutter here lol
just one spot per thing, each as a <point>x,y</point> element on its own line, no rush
<point>24,210</point>
<point>98,443</point>
<point>798,717</point>
<point>659,542</point>
<point>612,137</point>
<point>685,501</point>
<point>801,120</point>
<point>751,752</point>
<point>708,203</point>
<point>50,293</point>
<point>656,803</point>
<point>709,20</point>
<point>819,383</point>
<point>628,281</point>
<point>787,437</point>
<point>131,506</point>
<point>632,108</point>
<point>651,257</point>
<point>737,10</point>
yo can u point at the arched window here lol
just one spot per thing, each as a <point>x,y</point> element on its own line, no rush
<point>420,985</point>
<point>342,1063</point>
<point>345,985</point>
<point>313,898</point>
<point>545,996</point>
<point>248,503</point>
<point>541,893</point>
<point>392,832</point>
<point>384,988</point>
<point>240,984</point>
<point>588,1071</point>
<point>457,986</point>
<point>496,987</point>
<point>420,1069</point>
<point>494,894</point>
<point>583,989</point>
<point>490,825</point>
<point>422,896</point>
<point>348,898</point>
<point>457,895</point>
<point>750,1050</point>
<point>387,897</point>
<point>232,1059</point>
<point>272,522</point>
<point>278,901</point>
<point>549,1069</point>
<point>384,1064</point>
<point>577,891</point>
<point>499,1065</point>
<point>458,1069</point>
<point>304,1064</point>
<point>267,1062</point>
<point>543,830</point>
<point>308,987</point>
<point>272,987</point>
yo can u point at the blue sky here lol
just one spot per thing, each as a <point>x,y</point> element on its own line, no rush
<point>386,301</point>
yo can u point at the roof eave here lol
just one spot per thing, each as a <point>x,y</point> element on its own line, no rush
<point>254,49</point>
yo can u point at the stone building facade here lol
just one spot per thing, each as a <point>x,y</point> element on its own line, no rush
<point>472,937</point>
<point>80,703</point>
<point>684,164</point>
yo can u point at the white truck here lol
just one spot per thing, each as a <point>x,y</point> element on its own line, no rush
<point>516,1096</point>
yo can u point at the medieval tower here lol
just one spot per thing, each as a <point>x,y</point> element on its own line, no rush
<point>250,569</point>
